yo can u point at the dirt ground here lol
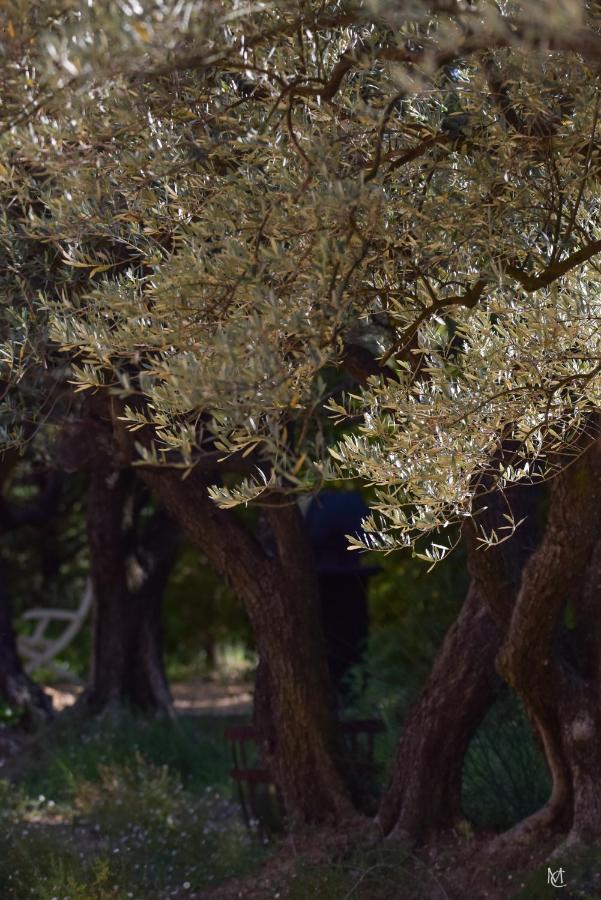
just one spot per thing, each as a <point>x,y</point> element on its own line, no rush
<point>457,867</point>
<point>453,869</point>
<point>201,697</point>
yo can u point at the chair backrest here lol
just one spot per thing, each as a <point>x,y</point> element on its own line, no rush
<point>37,649</point>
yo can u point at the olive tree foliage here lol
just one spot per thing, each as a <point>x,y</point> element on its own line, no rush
<point>230,206</point>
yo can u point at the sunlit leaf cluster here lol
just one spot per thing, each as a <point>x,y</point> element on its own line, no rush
<point>334,239</point>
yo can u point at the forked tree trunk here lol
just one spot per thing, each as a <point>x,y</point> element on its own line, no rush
<point>280,595</point>
<point>562,690</point>
<point>128,575</point>
<point>17,689</point>
<point>425,793</point>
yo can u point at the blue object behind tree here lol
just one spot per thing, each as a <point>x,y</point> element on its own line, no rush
<point>343,578</point>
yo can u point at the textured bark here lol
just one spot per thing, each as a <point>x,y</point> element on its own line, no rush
<point>129,573</point>
<point>581,722</point>
<point>279,590</point>
<point>558,684</point>
<point>425,792</point>
<point>582,742</point>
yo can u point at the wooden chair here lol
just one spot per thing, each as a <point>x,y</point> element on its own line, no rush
<point>259,799</point>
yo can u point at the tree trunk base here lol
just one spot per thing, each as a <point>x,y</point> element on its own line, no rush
<point>545,825</point>
<point>98,701</point>
<point>25,695</point>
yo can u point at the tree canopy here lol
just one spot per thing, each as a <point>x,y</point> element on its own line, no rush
<point>330,239</point>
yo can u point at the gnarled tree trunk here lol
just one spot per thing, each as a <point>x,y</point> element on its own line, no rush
<point>425,791</point>
<point>557,676</point>
<point>129,568</point>
<point>279,591</point>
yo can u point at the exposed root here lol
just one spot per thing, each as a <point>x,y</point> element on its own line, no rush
<point>540,828</point>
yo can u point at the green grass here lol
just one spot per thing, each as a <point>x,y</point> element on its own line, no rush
<point>233,663</point>
<point>194,749</point>
<point>123,807</point>
<point>134,807</point>
<point>581,877</point>
<point>9,715</point>
<point>505,778</point>
<point>364,873</point>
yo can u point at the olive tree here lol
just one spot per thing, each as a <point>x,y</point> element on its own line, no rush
<point>308,240</point>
